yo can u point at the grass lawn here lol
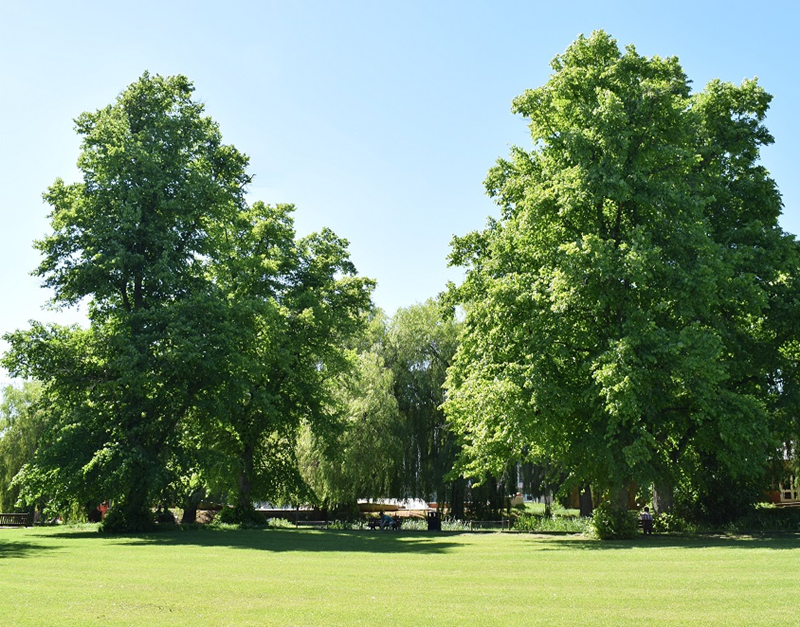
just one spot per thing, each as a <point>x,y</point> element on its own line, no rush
<point>62,576</point>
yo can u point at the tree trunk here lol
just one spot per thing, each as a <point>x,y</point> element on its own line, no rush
<point>190,507</point>
<point>457,488</point>
<point>663,498</point>
<point>244,499</point>
<point>587,507</point>
<point>619,498</point>
<point>189,514</point>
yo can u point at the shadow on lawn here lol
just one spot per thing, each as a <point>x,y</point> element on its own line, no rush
<point>20,549</point>
<point>290,540</point>
<point>286,540</point>
<point>777,542</point>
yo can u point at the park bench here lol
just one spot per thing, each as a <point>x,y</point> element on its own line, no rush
<point>375,523</point>
<point>15,520</point>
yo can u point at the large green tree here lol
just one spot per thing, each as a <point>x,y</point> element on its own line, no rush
<point>293,306</point>
<point>134,240</point>
<point>630,315</point>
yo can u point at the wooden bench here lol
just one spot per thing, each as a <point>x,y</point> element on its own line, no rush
<point>15,520</point>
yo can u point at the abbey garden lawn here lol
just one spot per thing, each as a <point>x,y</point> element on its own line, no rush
<point>76,576</point>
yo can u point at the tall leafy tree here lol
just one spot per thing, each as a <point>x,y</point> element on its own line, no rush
<point>294,306</point>
<point>134,239</point>
<point>628,315</point>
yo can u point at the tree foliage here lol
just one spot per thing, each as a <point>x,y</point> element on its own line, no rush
<point>631,313</point>
<point>363,457</point>
<point>420,346</point>
<point>394,441</point>
<point>22,423</point>
<point>135,238</point>
<point>293,307</point>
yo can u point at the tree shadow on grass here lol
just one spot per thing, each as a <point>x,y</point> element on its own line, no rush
<point>20,549</point>
<point>411,542</point>
<point>774,541</point>
<point>287,540</point>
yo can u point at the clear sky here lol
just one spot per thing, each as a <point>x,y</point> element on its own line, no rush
<point>377,119</point>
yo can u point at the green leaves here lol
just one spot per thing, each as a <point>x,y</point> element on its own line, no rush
<point>290,308</point>
<point>157,184</point>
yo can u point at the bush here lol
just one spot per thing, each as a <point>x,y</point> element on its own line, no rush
<point>245,517</point>
<point>768,519</point>
<point>165,517</point>
<point>127,521</point>
<point>715,499</point>
<point>670,523</point>
<point>611,523</point>
<point>280,523</point>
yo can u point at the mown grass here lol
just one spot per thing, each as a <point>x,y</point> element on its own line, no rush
<point>57,576</point>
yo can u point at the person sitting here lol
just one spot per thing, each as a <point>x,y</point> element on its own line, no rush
<point>647,521</point>
<point>386,521</point>
<point>95,515</point>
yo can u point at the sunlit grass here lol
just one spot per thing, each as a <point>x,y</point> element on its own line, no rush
<point>59,576</point>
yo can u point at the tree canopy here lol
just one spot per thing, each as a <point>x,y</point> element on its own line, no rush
<point>292,307</point>
<point>631,314</point>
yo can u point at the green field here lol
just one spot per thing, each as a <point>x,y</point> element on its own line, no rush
<point>58,576</point>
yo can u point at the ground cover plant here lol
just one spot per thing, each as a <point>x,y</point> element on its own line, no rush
<point>75,576</point>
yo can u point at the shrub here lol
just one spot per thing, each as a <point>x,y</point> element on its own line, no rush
<point>165,517</point>
<point>127,521</point>
<point>244,517</point>
<point>452,524</point>
<point>280,523</point>
<point>670,523</point>
<point>611,523</point>
<point>414,524</point>
<point>768,519</point>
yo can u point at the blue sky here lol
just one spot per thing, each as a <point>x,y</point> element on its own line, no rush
<point>378,120</point>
